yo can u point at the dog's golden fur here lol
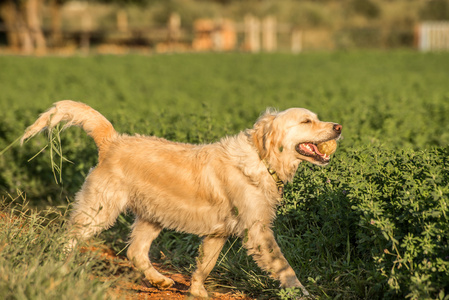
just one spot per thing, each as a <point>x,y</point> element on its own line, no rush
<point>212,190</point>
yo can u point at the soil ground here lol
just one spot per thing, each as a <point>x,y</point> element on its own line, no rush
<point>138,288</point>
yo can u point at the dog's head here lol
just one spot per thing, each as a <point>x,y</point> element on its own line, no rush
<point>296,133</point>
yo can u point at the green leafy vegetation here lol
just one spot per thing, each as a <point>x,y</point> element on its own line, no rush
<point>371,225</point>
<point>381,209</point>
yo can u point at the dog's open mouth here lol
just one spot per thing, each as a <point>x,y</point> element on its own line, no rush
<point>319,152</point>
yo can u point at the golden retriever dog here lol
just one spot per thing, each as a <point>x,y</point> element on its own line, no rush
<point>231,187</point>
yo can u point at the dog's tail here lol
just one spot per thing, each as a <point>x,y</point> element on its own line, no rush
<point>78,114</point>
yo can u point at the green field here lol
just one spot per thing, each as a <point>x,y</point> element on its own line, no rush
<point>371,225</point>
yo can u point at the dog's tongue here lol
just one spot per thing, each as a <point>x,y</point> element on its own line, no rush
<point>311,148</point>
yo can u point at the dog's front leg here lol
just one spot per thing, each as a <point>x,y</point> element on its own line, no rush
<point>208,254</point>
<point>260,242</point>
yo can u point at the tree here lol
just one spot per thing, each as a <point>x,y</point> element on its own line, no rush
<point>435,10</point>
<point>23,25</point>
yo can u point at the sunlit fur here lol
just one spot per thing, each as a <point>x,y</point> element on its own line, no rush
<point>212,190</point>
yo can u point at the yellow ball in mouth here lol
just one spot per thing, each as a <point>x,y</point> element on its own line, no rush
<point>328,147</point>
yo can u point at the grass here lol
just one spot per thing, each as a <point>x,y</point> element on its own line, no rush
<point>336,221</point>
<point>32,264</point>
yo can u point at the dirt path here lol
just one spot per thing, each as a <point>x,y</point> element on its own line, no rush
<point>140,289</point>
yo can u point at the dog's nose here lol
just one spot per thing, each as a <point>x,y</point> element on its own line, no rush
<point>337,128</point>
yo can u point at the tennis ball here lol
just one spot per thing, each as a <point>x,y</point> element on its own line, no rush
<point>328,147</point>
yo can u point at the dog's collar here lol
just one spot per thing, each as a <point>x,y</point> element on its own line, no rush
<point>274,175</point>
<point>279,182</point>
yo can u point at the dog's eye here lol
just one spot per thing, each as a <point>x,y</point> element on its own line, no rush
<point>306,121</point>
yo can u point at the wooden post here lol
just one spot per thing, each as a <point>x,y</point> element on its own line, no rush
<point>174,30</point>
<point>32,8</point>
<point>86,26</point>
<point>296,41</point>
<point>56,23</point>
<point>10,16</point>
<point>423,38</point>
<point>122,20</point>
<point>25,35</point>
<point>216,35</point>
<point>252,32</point>
<point>269,34</point>
<point>442,32</point>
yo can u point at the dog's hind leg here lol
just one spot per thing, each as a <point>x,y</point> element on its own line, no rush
<point>209,252</point>
<point>97,206</point>
<point>142,236</point>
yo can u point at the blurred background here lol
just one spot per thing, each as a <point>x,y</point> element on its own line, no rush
<point>145,26</point>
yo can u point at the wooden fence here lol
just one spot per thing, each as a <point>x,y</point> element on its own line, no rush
<point>252,35</point>
<point>433,36</point>
<point>259,35</point>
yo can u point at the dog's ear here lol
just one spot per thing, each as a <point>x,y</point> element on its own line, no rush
<point>263,133</point>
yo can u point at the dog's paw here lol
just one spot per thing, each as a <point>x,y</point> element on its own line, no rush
<point>161,282</point>
<point>198,291</point>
